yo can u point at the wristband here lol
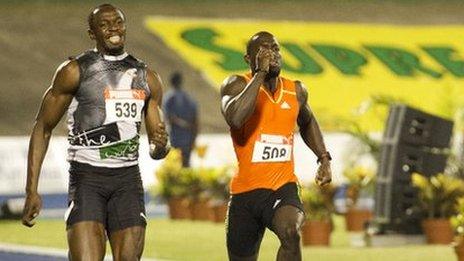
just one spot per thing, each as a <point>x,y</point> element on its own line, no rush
<point>324,155</point>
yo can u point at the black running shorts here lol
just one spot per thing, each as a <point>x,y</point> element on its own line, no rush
<point>111,196</point>
<point>250,213</point>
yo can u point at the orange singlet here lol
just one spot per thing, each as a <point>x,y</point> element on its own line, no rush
<point>264,144</point>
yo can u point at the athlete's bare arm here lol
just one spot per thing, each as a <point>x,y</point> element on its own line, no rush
<point>312,136</point>
<point>238,99</point>
<point>54,104</point>
<point>156,130</point>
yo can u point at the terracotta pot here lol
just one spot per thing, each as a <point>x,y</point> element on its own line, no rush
<point>316,232</point>
<point>179,208</point>
<point>200,210</point>
<point>459,249</point>
<point>219,212</point>
<point>438,231</point>
<point>356,218</point>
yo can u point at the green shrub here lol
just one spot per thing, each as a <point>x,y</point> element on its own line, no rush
<point>438,194</point>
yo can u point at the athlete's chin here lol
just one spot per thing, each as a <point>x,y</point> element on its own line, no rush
<point>115,49</point>
<point>273,72</point>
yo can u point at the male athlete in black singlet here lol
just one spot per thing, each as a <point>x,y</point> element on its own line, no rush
<point>106,93</point>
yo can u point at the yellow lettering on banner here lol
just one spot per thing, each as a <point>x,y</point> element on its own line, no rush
<point>341,64</point>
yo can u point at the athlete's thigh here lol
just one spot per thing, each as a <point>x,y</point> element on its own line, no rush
<point>244,231</point>
<point>87,199</point>
<point>287,218</point>
<point>126,206</point>
<point>128,243</point>
<point>86,241</point>
<point>284,209</point>
<point>126,216</point>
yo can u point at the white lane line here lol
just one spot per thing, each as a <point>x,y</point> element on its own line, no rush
<point>47,251</point>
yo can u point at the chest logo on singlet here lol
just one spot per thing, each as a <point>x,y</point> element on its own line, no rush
<point>272,148</point>
<point>285,105</point>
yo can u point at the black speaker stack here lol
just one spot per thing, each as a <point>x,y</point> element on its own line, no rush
<point>413,141</point>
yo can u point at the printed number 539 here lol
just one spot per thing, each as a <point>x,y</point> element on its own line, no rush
<point>125,109</point>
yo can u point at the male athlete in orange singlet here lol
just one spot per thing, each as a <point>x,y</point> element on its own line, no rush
<point>262,109</point>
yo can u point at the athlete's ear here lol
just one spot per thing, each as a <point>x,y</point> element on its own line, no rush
<point>91,34</point>
<point>246,57</point>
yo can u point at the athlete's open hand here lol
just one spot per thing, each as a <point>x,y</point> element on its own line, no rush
<point>324,174</point>
<point>31,209</point>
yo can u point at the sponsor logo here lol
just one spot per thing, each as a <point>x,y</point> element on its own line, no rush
<point>68,211</point>
<point>99,136</point>
<point>285,105</point>
<point>143,216</point>
<point>126,149</point>
<point>276,203</point>
<point>343,65</point>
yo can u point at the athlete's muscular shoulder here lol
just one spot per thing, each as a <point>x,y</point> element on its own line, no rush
<point>230,88</point>
<point>301,93</point>
<point>155,85</point>
<point>233,85</point>
<point>66,78</point>
<point>305,114</point>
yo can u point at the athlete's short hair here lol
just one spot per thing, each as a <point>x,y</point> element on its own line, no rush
<point>95,10</point>
<point>254,38</point>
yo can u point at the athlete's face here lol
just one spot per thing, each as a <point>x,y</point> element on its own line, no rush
<point>109,30</point>
<point>267,41</point>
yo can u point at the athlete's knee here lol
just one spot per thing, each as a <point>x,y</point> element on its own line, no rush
<point>127,244</point>
<point>233,257</point>
<point>130,255</point>
<point>85,256</point>
<point>289,235</point>
<point>86,241</point>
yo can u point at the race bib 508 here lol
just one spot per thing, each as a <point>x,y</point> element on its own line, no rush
<point>272,148</point>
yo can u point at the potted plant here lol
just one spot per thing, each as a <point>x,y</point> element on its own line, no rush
<point>218,182</point>
<point>198,194</point>
<point>438,196</point>
<point>318,205</point>
<point>173,185</point>
<point>360,181</point>
<point>457,223</point>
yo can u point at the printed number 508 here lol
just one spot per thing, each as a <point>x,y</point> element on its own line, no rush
<point>272,153</point>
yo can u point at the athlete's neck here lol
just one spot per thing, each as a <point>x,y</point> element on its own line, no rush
<point>271,84</point>
<point>112,57</point>
<point>115,52</point>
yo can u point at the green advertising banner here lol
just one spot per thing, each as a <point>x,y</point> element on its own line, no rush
<point>342,65</point>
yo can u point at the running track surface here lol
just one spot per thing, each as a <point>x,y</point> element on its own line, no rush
<point>12,252</point>
<point>12,256</point>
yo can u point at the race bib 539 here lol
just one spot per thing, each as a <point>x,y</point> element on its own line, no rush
<point>124,105</point>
